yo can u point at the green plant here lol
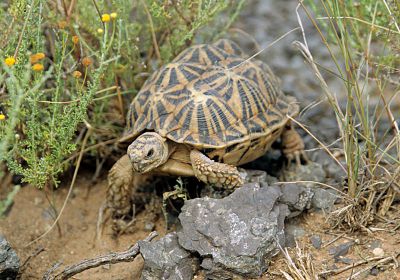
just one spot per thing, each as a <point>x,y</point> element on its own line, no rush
<point>8,201</point>
<point>363,38</point>
<point>75,65</point>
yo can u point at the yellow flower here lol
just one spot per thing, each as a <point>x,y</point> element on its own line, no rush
<point>105,18</point>
<point>36,57</point>
<point>100,31</point>
<point>10,61</point>
<point>2,117</point>
<point>75,39</point>
<point>37,67</point>
<point>76,74</point>
<point>113,15</point>
<point>86,61</point>
<point>62,24</point>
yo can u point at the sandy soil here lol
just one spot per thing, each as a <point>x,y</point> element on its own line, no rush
<point>31,215</point>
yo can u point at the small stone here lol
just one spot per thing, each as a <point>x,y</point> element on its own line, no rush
<point>378,252</point>
<point>341,250</point>
<point>316,241</point>
<point>9,261</point>
<point>165,259</point>
<point>149,226</point>
<point>374,271</point>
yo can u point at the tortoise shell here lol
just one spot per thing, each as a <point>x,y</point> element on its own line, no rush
<point>211,97</point>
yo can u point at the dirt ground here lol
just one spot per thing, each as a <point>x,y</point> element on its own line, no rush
<point>31,215</point>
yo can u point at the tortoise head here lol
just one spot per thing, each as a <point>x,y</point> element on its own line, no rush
<point>148,151</point>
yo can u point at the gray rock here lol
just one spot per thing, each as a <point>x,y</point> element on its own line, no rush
<point>316,241</point>
<point>297,197</point>
<point>257,176</point>
<point>165,259</point>
<point>293,231</point>
<point>341,250</point>
<point>271,180</point>
<point>236,234</point>
<point>9,261</point>
<point>312,171</point>
<point>331,167</point>
<point>324,198</point>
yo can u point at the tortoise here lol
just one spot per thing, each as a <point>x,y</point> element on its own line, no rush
<point>201,115</point>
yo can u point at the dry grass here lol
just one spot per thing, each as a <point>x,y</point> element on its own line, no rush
<point>372,157</point>
<point>300,266</point>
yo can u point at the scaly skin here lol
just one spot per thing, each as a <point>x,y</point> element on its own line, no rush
<point>120,187</point>
<point>219,174</point>
<point>293,145</point>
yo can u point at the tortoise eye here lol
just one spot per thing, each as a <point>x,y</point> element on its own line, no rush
<point>150,153</point>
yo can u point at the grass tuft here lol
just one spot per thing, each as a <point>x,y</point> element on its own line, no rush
<point>362,38</point>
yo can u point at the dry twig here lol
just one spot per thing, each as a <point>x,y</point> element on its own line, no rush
<point>111,258</point>
<point>381,261</point>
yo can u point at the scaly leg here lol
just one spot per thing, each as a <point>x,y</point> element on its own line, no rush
<point>211,172</point>
<point>293,145</point>
<point>120,185</point>
<point>122,182</point>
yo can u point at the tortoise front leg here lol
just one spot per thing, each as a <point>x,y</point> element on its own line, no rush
<point>120,186</point>
<point>211,172</point>
<point>122,183</point>
<point>293,145</point>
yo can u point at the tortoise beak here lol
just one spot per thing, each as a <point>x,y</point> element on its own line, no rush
<point>136,164</point>
<point>137,167</point>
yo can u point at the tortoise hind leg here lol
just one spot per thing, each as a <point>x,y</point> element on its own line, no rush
<point>293,145</point>
<point>219,174</point>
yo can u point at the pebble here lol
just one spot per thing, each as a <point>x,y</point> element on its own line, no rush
<point>316,241</point>
<point>341,250</point>
<point>378,252</point>
<point>149,226</point>
<point>374,271</point>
